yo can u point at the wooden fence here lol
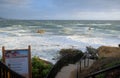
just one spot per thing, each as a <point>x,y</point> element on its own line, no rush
<point>6,72</point>
<point>83,63</point>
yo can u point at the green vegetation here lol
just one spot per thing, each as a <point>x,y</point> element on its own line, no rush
<point>101,75</point>
<point>114,62</point>
<point>40,69</point>
<point>70,51</point>
<point>106,63</point>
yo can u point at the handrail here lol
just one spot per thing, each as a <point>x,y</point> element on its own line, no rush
<point>79,66</point>
<point>86,59</point>
<point>63,62</point>
<point>83,58</point>
<point>6,72</point>
<point>93,75</point>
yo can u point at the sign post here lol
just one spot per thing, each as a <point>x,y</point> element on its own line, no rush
<point>19,60</point>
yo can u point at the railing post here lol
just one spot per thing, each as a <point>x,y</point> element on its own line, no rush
<point>84,62</point>
<point>93,76</point>
<point>80,66</point>
<point>77,72</point>
<point>3,58</point>
<point>0,72</point>
<point>3,73</point>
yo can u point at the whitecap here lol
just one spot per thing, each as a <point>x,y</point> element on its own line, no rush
<point>105,24</point>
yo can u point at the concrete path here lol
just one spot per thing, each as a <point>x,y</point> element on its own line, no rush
<point>67,72</point>
<point>70,71</point>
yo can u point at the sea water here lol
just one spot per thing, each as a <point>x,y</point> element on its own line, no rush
<point>57,34</point>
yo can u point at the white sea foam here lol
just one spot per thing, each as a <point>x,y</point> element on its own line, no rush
<point>96,41</point>
<point>106,24</point>
<point>41,46</point>
<point>50,45</point>
<point>93,24</point>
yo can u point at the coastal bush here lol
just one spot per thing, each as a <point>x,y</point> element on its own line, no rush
<point>101,75</point>
<point>112,63</point>
<point>70,56</point>
<point>70,51</point>
<point>103,63</point>
<point>40,69</point>
<point>92,51</point>
<point>115,72</point>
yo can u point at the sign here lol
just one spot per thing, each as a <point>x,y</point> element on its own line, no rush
<point>18,60</point>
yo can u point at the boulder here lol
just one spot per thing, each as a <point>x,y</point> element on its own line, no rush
<point>107,51</point>
<point>41,31</point>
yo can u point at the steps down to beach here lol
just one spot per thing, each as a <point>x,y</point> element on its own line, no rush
<point>67,71</point>
<point>70,71</point>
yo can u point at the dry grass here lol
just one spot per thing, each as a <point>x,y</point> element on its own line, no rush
<point>107,51</point>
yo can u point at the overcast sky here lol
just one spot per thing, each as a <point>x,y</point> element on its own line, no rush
<point>61,9</point>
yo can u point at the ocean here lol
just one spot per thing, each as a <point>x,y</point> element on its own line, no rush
<point>57,34</point>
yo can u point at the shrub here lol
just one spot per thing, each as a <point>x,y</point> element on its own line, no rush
<point>71,52</point>
<point>40,68</point>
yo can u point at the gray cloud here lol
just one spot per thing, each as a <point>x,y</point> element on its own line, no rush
<point>72,9</point>
<point>88,5</point>
<point>14,3</point>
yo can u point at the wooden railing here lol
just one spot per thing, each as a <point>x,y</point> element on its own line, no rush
<point>79,65</point>
<point>6,72</point>
<point>84,63</point>
<point>114,71</point>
